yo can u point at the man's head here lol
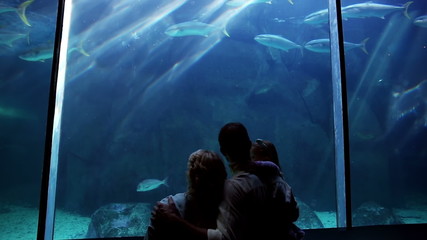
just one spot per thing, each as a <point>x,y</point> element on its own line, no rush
<point>235,144</point>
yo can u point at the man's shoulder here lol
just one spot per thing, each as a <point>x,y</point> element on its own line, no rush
<point>244,176</point>
<point>244,180</point>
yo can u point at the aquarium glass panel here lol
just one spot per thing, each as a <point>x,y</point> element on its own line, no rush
<point>150,82</point>
<point>27,35</point>
<point>387,89</point>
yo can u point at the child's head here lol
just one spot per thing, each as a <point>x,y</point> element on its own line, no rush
<point>263,150</point>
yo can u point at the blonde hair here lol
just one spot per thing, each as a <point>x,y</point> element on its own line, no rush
<point>205,171</point>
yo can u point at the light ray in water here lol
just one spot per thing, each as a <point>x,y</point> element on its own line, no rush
<point>140,28</point>
<point>101,26</point>
<point>158,15</point>
<point>206,12</point>
<point>82,71</point>
<point>377,66</point>
<point>146,23</point>
<point>196,53</point>
<point>129,32</point>
<point>136,29</point>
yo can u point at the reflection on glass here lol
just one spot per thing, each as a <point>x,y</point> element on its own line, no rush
<point>387,108</point>
<point>25,27</point>
<point>153,81</point>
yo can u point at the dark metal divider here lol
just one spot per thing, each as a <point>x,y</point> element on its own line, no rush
<point>43,226</point>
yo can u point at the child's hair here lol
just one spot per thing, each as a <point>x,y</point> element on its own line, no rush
<point>263,150</point>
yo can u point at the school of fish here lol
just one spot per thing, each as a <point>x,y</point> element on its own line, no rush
<point>359,10</point>
<point>198,28</point>
<point>11,37</point>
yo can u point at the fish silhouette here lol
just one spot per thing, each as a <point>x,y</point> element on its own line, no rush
<point>150,184</point>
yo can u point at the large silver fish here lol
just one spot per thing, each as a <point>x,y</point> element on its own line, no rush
<point>192,28</point>
<point>323,45</point>
<point>359,10</point>
<point>238,3</point>
<point>39,54</point>
<point>20,10</point>
<point>421,21</point>
<point>42,53</point>
<point>150,184</point>
<point>8,38</point>
<point>276,41</point>
<point>371,9</point>
<point>318,17</point>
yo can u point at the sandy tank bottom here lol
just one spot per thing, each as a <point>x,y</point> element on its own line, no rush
<point>20,223</point>
<point>17,222</point>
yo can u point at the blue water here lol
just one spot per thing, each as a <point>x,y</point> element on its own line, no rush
<point>142,101</point>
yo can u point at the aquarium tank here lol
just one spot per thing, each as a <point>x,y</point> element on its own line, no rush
<point>141,84</point>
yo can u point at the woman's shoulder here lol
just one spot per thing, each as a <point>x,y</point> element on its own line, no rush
<point>179,199</point>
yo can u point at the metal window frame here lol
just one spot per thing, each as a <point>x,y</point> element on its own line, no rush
<point>340,112</point>
<point>45,229</point>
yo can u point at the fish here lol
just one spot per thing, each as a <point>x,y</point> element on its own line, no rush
<point>79,48</point>
<point>421,21</point>
<point>238,3</point>
<point>22,8</point>
<point>8,112</point>
<point>42,53</point>
<point>39,54</point>
<point>359,10</point>
<point>150,184</point>
<point>8,38</point>
<point>276,41</point>
<point>323,45</point>
<point>318,17</point>
<point>193,28</point>
<point>371,9</point>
